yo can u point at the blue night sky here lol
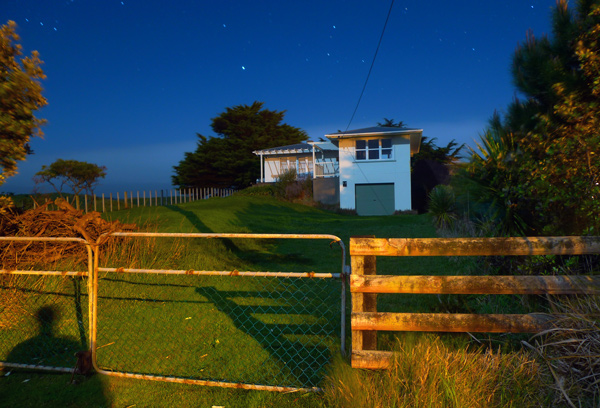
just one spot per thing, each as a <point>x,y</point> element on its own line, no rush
<point>131,82</point>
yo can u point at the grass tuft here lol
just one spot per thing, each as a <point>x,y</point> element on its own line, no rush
<point>428,373</point>
<point>571,350</point>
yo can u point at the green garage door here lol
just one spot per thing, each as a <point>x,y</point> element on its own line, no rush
<point>375,199</point>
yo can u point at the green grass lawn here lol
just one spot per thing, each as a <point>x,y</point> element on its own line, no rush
<point>218,328</point>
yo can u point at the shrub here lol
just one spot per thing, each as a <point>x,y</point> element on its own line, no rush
<point>284,180</point>
<point>290,188</point>
<point>442,206</point>
<point>259,190</point>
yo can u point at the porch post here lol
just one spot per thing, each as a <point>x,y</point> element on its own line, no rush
<point>314,166</point>
<point>262,177</point>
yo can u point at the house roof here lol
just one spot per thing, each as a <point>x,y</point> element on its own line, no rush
<point>326,145</point>
<point>414,135</point>
<point>289,149</point>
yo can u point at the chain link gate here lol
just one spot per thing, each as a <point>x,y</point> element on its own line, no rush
<point>256,330</point>
<point>44,315</point>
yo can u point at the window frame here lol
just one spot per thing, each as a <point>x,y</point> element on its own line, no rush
<point>364,151</point>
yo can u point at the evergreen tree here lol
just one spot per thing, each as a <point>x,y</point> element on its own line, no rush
<point>227,160</point>
<point>539,163</point>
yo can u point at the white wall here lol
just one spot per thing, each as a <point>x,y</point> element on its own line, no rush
<point>395,171</point>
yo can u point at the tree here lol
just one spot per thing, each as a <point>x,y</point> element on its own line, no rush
<point>391,123</point>
<point>77,175</point>
<point>545,167</point>
<point>227,160</point>
<point>20,97</point>
<point>429,168</point>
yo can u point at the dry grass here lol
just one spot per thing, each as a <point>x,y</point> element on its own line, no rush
<point>427,373</point>
<point>571,350</point>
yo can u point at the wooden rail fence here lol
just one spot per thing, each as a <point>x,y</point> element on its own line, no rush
<point>365,284</point>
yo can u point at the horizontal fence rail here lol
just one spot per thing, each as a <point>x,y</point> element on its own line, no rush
<point>224,273</point>
<point>365,284</point>
<point>475,246</point>
<point>481,285</point>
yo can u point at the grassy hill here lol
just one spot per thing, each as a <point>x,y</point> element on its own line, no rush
<point>206,323</point>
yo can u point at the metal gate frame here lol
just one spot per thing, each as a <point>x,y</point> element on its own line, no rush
<point>93,296</point>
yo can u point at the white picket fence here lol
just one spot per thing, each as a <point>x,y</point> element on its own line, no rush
<point>135,198</point>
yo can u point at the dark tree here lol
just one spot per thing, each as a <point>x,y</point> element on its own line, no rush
<point>226,160</point>
<point>391,123</point>
<point>430,167</point>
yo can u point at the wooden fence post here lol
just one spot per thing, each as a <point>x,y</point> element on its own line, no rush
<point>364,302</point>
<point>103,207</point>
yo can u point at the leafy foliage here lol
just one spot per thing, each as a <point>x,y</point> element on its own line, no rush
<point>227,160</point>
<point>20,97</point>
<point>538,165</point>
<point>79,176</point>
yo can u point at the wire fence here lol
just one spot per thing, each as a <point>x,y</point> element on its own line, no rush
<point>44,315</point>
<point>44,321</point>
<point>257,330</point>
<point>274,331</point>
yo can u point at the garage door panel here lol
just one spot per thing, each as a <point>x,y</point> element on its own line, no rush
<point>375,199</point>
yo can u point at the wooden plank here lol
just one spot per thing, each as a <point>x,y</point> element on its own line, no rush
<point>442,322</point>
<point>474,246</point>
<point>518,285</point>
<point>371,359</point>
<point>364,340</point>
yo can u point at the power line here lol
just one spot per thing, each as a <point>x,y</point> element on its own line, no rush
<point>372,63</point>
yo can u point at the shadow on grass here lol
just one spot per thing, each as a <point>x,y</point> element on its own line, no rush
<point>49,349</point>
<point>300,349</point>
<point>266,258</point>
<point>202,227</point>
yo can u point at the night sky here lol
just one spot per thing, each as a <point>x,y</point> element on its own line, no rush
<point>131,82</point>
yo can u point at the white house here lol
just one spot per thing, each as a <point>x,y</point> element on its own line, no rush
<point>365,169</point>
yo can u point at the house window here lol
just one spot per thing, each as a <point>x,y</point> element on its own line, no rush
<point>283,166</point>
<point>374,149</point>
